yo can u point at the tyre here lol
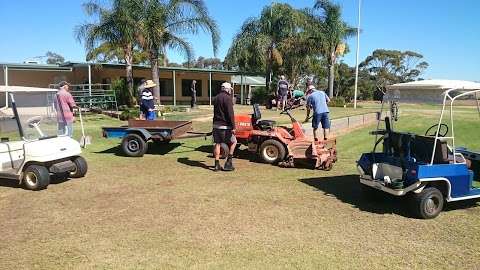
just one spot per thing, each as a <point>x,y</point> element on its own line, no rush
<point>36,177</point>
<point>81,167</point>
<point>428,203</point>
<point>133,145</point>
<point>272,151</point>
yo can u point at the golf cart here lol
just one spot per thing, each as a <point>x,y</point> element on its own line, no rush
<point>283,145</point>
<point>31,154</point>
<point>429,169</point>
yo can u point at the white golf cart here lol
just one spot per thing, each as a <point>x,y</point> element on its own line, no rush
<point>31,154</point>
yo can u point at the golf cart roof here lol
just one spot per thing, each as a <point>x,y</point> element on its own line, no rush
<point>435,85</point>
<point>13,89</point>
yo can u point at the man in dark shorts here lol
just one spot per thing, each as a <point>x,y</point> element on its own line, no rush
<point>317,101</point>
<point>282,92</point>
<point>224,126</point>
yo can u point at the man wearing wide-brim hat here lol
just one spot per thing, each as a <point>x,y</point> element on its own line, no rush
<point>147,104</point>
<point>224,126</point>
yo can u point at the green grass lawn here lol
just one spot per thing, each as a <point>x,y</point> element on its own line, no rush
<point>167,210</point>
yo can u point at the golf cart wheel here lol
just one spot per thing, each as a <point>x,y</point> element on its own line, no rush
<point>133,145</point>
<point>36,177</point>
<point>81,167</point>
<point>428,203</point>
<point>272,151</point>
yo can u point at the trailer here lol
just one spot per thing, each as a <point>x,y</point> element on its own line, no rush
<point>137,133</point>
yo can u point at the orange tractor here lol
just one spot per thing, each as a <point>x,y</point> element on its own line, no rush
<point>283,145</point>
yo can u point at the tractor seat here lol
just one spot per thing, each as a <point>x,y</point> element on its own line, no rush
<point>266,124</point>
<point>261,124</point>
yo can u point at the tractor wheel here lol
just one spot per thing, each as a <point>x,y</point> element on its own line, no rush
<point>36,177</point>
<point>428,203</point>
<point>272,151</point>
<point>81,167</point>
<point>133,145</point>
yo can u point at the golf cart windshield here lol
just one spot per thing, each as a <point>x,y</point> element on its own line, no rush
<point>29,115</point>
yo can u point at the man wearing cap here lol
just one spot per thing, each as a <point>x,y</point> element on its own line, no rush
<point>64,105</point>
<point>224,126</point>
<point>147,104</point>
<point>317,101</point>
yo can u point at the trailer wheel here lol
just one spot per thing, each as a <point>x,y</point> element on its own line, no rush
<point>133,145</point>
<point>428,203</point>
<point>81,167</point>
<point>36,177</point>
<point>272,151</point>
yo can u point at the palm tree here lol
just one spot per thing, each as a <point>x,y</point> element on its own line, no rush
<point>162,25</point>
<point>116,27</point>
<point>259,38</point>
<point>108,53</point>
<point>331,33</point>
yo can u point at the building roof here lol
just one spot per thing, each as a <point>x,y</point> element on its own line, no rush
<point>249,80</point>
<point>13,89</point>
<point>435,85</point>
<point>67,66</point>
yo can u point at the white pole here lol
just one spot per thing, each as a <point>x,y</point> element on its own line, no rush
<point>6,84</point>
<point>90,84</point>
<point>241,90</point>
<point>174,88</point>
<point>210,87</point>
<point>358,52</point>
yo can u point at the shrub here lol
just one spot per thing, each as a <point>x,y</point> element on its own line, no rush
<point>259,95</point>
<point>130,113</point>
<point>337,102</point>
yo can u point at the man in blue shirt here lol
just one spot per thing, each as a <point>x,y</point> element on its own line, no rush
<point>317,101</point>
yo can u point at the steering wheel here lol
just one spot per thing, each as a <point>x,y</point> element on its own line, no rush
<point>34,121</point>
<point>443,127</point>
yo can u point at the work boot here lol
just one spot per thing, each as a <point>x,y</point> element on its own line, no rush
<point>217,166</point>
<point>229,164</point>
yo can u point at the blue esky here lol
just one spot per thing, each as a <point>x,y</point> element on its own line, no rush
<point>446,32</point>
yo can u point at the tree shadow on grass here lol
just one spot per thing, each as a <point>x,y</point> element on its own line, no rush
<point>153,149</point>
<point>347,189</point>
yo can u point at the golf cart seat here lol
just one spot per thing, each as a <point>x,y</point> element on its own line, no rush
<point>261,124</point>
<point>422,149</point>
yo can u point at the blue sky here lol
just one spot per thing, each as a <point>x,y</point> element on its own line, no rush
<point>446,32</point>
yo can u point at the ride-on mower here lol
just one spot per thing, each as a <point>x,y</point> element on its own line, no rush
<point>283,145</point>
<point>33,155</point>
<point>429,169</point>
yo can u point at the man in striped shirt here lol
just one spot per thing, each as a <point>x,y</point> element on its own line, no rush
<point>147,104</point>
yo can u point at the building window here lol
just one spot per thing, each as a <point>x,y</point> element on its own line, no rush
<point>186,88</point>
<point>216,87</point>
<point>166,87</point>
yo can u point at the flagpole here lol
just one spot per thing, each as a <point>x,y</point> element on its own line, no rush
<point>358,52</point>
